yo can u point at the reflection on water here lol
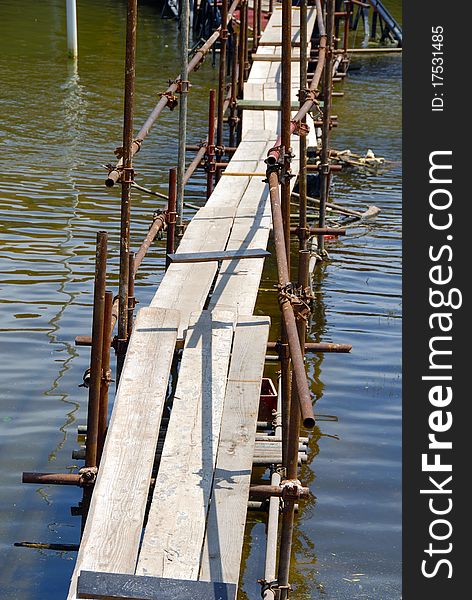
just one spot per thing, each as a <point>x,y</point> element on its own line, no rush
<point>58,125</point>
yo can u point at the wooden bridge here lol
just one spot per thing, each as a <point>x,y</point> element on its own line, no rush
<point>168,480</point>
<point>196,517</point>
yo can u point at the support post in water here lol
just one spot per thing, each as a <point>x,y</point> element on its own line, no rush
<point>286,117</point>
<point>233,119</point>
<point>126,181</point>
<point>98,334</point>
<point>131,298</point>
<point>96,367</point>
<point>71,15</point>
<point>222,79</point>
<point>171,215</point>
<point>106,374</point>
<point>325,133</point>
<point>184,88</point>
<point>302,182</point>
<point>284,177</point>
<point>210,151</point>
<point>288,515</point>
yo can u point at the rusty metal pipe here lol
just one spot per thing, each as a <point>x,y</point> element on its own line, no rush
<point>256,25</point>
<point>317,347</point>
<point>222,78</point>
<point>320,230</point>
<point>96,352</point>
<point>325,132</point>
<point>210,148</point>
<point>234,92</point>
<point>158,224</point>
<point>286,115</point>
<point>266,491</point>
<point>246,45</point>
<point>106,376</point>
<point>274,154</point>
<point>171,215</point>
<point>127,179</point>
<point>347,20</point>
<point>288,515</point>
<point>242,46</point>
<point>183,90</point>
<point>230,150</point>
<point>115,174</point>
<point>202,151</point>
<point>131,298</point>
<point>52,478</point>
<point>302,176</point>
<point>288,316</point>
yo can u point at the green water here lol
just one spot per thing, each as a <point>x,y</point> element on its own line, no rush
<point>58,125</point>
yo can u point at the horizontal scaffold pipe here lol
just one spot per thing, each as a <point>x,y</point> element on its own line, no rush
<point>115,174</point>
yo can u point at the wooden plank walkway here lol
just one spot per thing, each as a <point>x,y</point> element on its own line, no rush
<point>114,525</point>
<point>173,536</point>
<point>196,519</point>
<point>223,544</point>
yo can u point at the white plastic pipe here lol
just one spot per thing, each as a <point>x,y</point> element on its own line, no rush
<point>71,11</point>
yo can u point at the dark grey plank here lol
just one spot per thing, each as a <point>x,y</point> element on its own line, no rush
<point>108,586</point>
<point>193,257</point>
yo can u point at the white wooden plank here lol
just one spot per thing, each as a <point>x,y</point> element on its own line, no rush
<point>222,549</point>
<point>114,525</point>
<point>175,529</point>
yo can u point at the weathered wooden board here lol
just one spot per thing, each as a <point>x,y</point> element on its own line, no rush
<point>196,257</point>
<point>222,550</point>
<point>129,587</point>
<point>114,525</point>
<point>238,281</point>
<point>175,529</point>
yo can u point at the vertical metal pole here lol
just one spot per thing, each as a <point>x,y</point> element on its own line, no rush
<point>96,351</point>
<point>171,215</point>
<point>286,116</point>
<point>246,43</point>
<point>184,34</point>
<point>259,21</point>
<point>337,19</point>
<point>131,298</point>
<point>106,375</point>
<point>255,25</point>
<point>211,144</point>
<point>234,90</point>
<point>302,182</point>
<point>285,202</point>
<point>242,46</point>
<point>288,515</point>
<point>347,22</point>
<point>325,134</point>
<point>194,15</point>
<point>272,534</point>
<point>127,180</point>
<point>222,78</point>
<point>71,15</point>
